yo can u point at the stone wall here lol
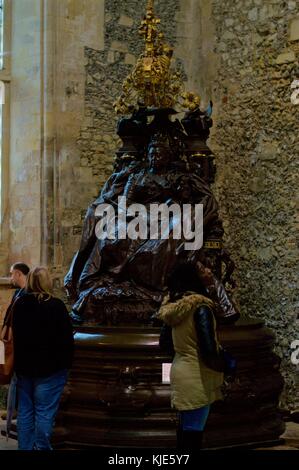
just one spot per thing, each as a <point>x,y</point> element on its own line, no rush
<point>195,46</point>
<point>76,26</point>
<point>256,142</point>
<point>23,170</point>
<point>47,185</point>
<point>25,133</point>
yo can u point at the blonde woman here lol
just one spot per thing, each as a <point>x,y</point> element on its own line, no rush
<point>43,349</point>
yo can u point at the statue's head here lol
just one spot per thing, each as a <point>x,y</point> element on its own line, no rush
<point>159,152</point>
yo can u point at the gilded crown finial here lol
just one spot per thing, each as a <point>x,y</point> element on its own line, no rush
<point>152,81</point>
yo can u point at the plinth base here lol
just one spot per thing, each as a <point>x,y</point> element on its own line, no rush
<point>115,395</point>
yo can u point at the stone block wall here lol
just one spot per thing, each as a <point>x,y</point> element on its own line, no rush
<point>256,143</point>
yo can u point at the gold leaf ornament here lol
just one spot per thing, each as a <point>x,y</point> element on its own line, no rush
<point>153,83</point>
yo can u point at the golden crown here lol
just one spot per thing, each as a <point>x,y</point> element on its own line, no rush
<point>153,82</point>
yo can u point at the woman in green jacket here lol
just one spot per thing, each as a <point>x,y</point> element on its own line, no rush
<point>199,362</point>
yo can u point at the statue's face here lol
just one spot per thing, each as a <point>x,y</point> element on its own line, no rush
<point>158,156</point>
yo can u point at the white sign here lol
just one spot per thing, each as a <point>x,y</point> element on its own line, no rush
<point>166,366</point>
<point>2,353</point>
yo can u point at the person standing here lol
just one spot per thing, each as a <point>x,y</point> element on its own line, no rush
<point>199,363</point>
<point>18,277</point>
<point>43,351</point>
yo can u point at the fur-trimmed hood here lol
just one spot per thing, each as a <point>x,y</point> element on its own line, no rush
<point>173,313</point>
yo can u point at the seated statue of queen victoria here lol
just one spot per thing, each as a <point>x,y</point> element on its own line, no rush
<point>121,280</point>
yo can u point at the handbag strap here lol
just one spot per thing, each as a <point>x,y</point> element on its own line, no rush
<point>6,333</point>
<point>9,314</point>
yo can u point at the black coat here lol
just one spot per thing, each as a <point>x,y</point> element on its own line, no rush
<point>42,336</point>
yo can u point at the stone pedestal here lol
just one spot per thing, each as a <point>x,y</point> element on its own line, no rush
<point>116,397</point>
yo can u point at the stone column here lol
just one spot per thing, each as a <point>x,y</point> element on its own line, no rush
<point>26,133</point>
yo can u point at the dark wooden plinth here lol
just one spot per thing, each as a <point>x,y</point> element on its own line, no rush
<point>116,398</point>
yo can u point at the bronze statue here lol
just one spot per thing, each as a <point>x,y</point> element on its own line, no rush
<point>120,279</point>
<point>123,281</point>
